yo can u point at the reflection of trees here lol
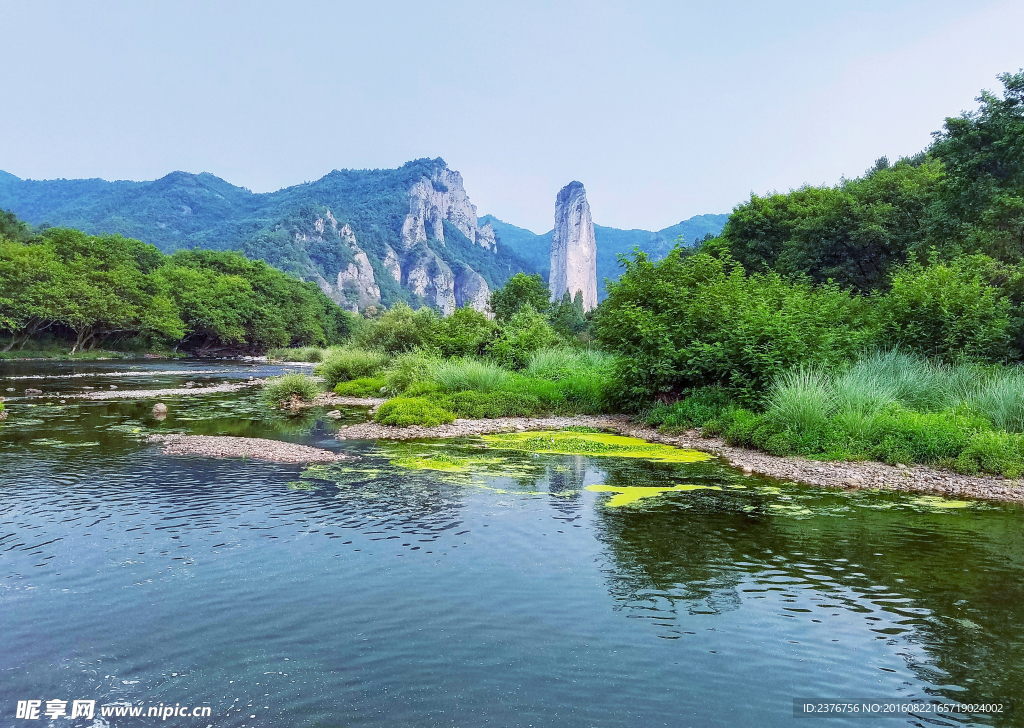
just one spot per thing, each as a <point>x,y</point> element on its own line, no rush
<point>952,582</point>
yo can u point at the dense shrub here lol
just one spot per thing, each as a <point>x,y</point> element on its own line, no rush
<point>280,389</point>
<point>491,405</point>
<point>946,310</point>
<point>362,387</point>
<point>465,332</point>
<point>694,410</point>
<point>405,370</point>
<point>343,364</point>
<point>519,292</point>
<point>405,411</point>
<point>693,321</point>
<point>526,332</point>
<point>398,330</point>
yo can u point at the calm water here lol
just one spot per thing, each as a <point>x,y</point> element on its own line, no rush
<point>365,594</point>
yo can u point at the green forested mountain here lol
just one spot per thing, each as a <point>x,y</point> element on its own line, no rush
<point>611,242</point>
<point>365,236</point>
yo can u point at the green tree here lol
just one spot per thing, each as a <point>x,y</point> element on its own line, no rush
<point>519,291</point>
<point>980,207</point>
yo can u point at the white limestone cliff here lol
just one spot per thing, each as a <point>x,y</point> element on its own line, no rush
<point>437,199</point>
<point>573,247</point>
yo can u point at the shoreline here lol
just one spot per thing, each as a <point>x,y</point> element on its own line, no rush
<point>828,474</point>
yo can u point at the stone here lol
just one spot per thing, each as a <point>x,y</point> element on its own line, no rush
<point>33,392</point>
<point>573,247</point>
<point>159,410</point>
<point>472,290</point>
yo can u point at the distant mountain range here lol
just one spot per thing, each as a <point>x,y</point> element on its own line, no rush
<point>365,236</point>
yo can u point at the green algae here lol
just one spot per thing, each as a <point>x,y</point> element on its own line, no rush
<point>935,501</point>
<point>601,444</point>
<point>436,461</point>
<point>301,485</point>
<point>627,495</point>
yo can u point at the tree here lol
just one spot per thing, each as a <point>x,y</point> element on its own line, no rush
<point>980,207</point>
<point>519,291</point>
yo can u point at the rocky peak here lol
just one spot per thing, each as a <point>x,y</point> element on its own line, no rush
<point>439,198</point>
<point>573,247</point>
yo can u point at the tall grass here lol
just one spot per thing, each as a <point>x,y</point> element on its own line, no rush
<point>341,364</point>
<point>802,399</point>
<point>302,353</point>
<point>466,374</point>
<point>561,362</point>
<point>280,389</point>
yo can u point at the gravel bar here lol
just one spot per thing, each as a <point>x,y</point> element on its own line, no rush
<point>255,448</point>
<point>159,393</point>
<point>847,475</point>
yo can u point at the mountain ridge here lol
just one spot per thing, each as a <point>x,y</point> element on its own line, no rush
<point>365,236</point>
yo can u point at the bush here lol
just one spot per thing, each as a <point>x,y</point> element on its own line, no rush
<point>526,333</point>
<point>695,410</point>
<point>398,330</point>
<point>464,332</point>
<point>902,436</point>
<point>693,321</point>
<point>341,365</point>
<point>992,452</point>
<point>407,369</point>
<point>491,405</point>
<point>280,389</point>
<point>362,387</point>
<point>405,411</point>
<point>946,310</point>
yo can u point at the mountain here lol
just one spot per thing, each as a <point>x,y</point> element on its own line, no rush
<point>365,236</point>
<point>611,242</point>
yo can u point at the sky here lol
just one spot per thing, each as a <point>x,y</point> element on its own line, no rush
<point>663,110</point>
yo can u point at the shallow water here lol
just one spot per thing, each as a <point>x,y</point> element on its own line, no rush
<point>501,593</point>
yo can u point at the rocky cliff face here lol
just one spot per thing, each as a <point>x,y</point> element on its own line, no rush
<point>436,199</point>
<point>573,247</point>
<point>354,287</point>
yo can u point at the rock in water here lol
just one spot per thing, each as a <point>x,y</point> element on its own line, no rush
<point>573,247</point>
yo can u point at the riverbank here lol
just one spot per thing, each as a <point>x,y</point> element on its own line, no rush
<point>846,475</point>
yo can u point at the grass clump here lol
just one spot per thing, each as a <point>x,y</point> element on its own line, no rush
<point>289,386</point>
<point>466,374</point>
<point>406,411</point>
<point>301,353</point>
<point>342,364</point>
<point>491,405</point>
<point>362,387</point>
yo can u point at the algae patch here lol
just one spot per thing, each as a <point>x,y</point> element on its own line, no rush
<point>601,444</point>
<point>627,495</point>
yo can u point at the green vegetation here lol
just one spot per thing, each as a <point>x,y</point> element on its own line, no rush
<point>343,364</point>
<point>567,442</point>
<point>891,406</point>
<point>361,387</point>
<point>627,495</point>
<point>95,291</point>
<point>288,386</point>
<point>405,411</point>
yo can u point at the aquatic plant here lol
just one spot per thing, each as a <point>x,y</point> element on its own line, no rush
<point>628,495</point>
<point>602,444</point>
<point>283,388</point>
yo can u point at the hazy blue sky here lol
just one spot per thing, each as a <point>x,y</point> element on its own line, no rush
<point>663,110</point>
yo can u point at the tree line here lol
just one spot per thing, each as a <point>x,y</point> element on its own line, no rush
<point>97,290</point>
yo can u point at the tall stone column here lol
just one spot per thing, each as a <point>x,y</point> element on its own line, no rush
<point>573,247</point>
